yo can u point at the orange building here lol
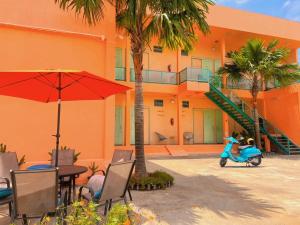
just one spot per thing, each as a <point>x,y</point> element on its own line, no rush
<point>183,114</point>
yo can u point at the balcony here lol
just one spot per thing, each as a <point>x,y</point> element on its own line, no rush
<point>158,77</point>
<point>242,84</point>
<point>120,73</point>
<point>194,74</point>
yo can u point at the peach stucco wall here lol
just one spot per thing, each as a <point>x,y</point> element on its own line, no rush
<point>283,110</point>
<point>45,37</point>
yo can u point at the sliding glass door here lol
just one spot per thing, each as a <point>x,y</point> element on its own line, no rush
<point>208,126</point>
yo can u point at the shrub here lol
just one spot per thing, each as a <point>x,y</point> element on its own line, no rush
<point>155,180</point>
<point>82,213</point>
<point>93,168</point>
<point>117,215</point>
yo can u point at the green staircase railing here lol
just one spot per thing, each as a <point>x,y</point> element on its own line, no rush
<point>242,113</point>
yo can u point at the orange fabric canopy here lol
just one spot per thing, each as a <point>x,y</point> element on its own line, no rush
<point>43,85</point>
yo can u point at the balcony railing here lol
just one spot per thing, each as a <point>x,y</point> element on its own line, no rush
<point>242,84</point>
<point>194,74</point>
<point>273,83</point>
<point>120,73</point>
<point>153,76</point>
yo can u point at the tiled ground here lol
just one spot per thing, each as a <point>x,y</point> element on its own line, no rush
<point>206,194</point>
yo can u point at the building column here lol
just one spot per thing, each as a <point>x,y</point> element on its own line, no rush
<point>109,103</point>
<point>224,81</point>
<point>127,59</point>
<point>179,121</point>
<point>127,119</point>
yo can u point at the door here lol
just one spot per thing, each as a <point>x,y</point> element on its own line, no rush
<point>219,126</point>
<point>207,68</point>
<point>146,126</point>
<point>119,125</point>
<point>207,64</point>
<point>132,127</point>
<point>198,126</point>
<point>196,63</point>
<point>217,65</point>
<point>209,126</point>
<point>119,57</point>
<point>120,73</point>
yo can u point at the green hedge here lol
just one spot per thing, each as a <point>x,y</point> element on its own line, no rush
<point>155,180</point>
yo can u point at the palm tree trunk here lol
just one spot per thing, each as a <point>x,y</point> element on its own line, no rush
<point>137,53</point>
<point>257,128</point>
<point>255,90</point>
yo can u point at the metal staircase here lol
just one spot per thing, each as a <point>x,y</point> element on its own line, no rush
<point>242,113</point>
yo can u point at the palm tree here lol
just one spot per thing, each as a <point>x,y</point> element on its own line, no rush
<point>172,22</point>
<point>258,64</point>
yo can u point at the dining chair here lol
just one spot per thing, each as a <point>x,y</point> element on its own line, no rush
<point>65,157</point>
<point>8,162</point>
<point>35,193</point>
<point>114,187</point>
<point>118,156</point>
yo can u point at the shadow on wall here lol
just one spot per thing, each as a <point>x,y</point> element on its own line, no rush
<point>193,194</point>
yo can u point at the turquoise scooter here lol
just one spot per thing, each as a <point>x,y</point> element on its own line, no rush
<point>249,154</point>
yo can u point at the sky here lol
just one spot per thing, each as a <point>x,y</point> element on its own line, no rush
<point>287,9</point>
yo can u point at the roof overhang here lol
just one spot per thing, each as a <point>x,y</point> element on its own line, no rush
<point>229,18</point>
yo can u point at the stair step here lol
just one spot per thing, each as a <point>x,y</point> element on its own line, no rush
<point>294,152</point>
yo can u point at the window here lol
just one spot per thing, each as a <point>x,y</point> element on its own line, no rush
<point>185,104</point>
<point>158,102</point>
<point>184,52</point>
<point>158,49</point>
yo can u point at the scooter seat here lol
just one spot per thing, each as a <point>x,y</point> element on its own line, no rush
<point>244,147</point>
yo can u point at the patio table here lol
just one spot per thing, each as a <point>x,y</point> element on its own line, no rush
<point>73,172</point>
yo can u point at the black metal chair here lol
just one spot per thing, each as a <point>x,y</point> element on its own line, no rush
<point>121,156</point>
<point>96,181</point>
<point>160,137</point>
<point>8,162</point>
<point>65,158</point>
<point>35,194</point>
<point>188,137</point>
<point>114,187</point>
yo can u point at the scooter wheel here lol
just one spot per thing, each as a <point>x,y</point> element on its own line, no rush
<point>223,162</point>
<point>256,161</point>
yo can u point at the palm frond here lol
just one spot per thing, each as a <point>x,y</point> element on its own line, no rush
<point>172,22</point>
<point>91,10</point>
<point>257,61</point>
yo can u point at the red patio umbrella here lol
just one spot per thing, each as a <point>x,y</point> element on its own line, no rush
<point>56,86</point>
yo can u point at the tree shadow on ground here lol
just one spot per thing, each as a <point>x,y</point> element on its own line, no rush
<point>183,203</point>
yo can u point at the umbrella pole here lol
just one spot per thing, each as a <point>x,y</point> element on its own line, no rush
<point>58,119</point>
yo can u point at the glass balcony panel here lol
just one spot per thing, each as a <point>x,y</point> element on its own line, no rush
<point>120,73</point>
<point>195,74</point>
<point>243,84</point>
<point>159,77</point>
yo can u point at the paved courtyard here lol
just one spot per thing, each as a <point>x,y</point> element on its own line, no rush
<point>206,194</point>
